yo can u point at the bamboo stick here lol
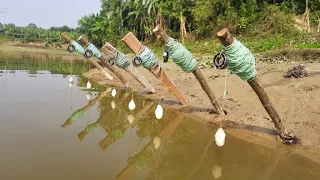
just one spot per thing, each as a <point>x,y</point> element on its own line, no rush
<point>110,51</point>
<point>85,42</point>
<point>135,45</point>
<point>128,171</point>
<point>95,63</point>
<point>226,39</point>
<point>160,33</point>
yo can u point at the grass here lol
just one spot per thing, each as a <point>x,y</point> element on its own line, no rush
<point>307,46</point>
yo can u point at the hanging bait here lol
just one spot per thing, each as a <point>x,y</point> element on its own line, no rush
<point>157,142</point>
<point>113,104</point>
<point>114,92</point>
<point>220,137</point>
<point>132,105</point>
<point>88,85</point>
<point>159,112</point>
<point>71,80</point>
<point>70,84</point>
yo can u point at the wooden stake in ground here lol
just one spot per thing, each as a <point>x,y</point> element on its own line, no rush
<point>159,32</point>
<point>85,42</point>
<point>227,40</point>
<point>112,54</point>
<point>94,62</point>
<point>137,48</point>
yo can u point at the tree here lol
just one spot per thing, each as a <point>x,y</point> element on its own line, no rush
<point>32,25</point>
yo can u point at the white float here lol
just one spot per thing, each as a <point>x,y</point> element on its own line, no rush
<point>220,137</point>
<point>88,85</point>
<point>71,79</point>
<point>132,105</point>
<point>159,112</point>
<point>114,92</point>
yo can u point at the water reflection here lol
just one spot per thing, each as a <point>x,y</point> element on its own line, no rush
<point>178,147</point>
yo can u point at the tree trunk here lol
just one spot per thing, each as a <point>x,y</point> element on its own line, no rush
<point>306,18</point>
<point>183,31</point>
<point>160,20</point>
<point>318,25</point>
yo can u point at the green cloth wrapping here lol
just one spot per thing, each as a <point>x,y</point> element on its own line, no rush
<point>141,160</point>
<point>92,127</point>
<point>78,47</point>
<point>119,133</point>
<point>122,60</point>
<point>240,60</point>
<point>148,58</point>
<point>96,53</point>
<point>76,115</point>
<point>180,55</point>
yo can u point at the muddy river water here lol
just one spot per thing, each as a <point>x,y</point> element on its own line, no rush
<point>49,130</point>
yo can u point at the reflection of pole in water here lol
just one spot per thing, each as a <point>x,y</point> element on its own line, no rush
<point>141,159</point>
<point>77,114</point>
<point>93,126</point>
<point>120,130</point>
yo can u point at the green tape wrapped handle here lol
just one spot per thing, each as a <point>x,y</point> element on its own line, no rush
<point>78,47</point>
<point>240,60</point>
<point>180,55</point>
<point>148,58</point>
<point>96,53</point>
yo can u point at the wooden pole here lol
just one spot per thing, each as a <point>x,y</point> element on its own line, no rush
<point>94,62</point>
<point>226,39</point>
<point>160,34</point>
<point>135,46</point>
<point>128,171</point>
<point>85,42</point>
<point>111,52</point>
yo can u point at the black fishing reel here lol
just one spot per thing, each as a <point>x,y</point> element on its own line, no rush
<point>71,48</point>
<point>165,56</point>
<point>137,61</point>
<point>111,62</point>
<point>88,54</point>
<point>220,61</point>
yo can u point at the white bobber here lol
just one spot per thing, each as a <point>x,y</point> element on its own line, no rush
<point>71,79</point>
<point>88,96</point>
<point>88,85</point>
<point>217,172</point>
<point>70,84</point>
<point>132,105</point>
<point>114,92</point>
<point>159,112</point>
<point>220,137</point>
<point>113,104</point>
<point>131,118</point>
<point>156,142</point>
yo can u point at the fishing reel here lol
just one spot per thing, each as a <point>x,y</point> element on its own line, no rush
<point>220,61</point>
<point>71,48</point>
<point>111,62</point>
<point>88,54</point>
<point>137,61</point>
<point>165,56</point>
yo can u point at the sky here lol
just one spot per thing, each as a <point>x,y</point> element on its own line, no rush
<point>47,13</point>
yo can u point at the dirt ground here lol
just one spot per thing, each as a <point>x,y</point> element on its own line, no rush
<point>297,100</point>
